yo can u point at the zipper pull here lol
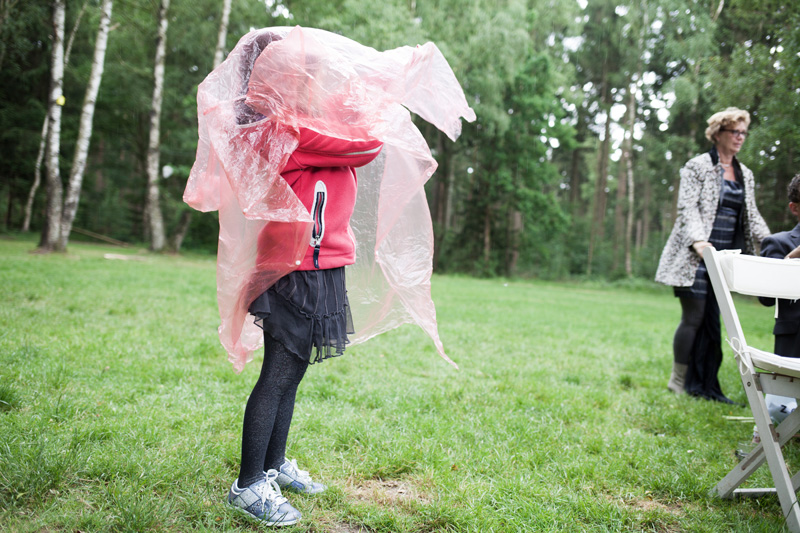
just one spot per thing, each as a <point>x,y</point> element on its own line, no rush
<point>316,256</point>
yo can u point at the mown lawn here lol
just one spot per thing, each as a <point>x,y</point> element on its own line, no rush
<point>120,412</point>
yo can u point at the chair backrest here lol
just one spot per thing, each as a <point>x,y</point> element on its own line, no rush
<point>730,270</point>
<point>760,276</point>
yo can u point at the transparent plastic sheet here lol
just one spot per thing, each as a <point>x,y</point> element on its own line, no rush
<point>277,80</point>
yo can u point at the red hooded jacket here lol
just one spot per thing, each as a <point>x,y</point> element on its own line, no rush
<point>321,172</point>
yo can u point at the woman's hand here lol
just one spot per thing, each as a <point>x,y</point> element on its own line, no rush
<point>699,246</point>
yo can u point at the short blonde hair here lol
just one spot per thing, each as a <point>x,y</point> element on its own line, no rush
<point>725,119</point>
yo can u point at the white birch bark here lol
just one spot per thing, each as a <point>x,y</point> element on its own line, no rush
<point>52,227</point>
<point>219,52</point>
<point>37,173</point>
<point>222,36</point>
<point>632,112</point>
<point>85,130</point>
<point>631,185</point>
<point>154,218</point>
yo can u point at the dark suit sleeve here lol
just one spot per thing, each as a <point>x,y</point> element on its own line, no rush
<point>773,247</point>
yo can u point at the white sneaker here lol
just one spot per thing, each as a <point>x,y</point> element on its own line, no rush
<point>263,501</point>
<point>292,478</point>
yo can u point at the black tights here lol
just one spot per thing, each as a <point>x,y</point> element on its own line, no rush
<point>268,414</point>
<point>692,310</point>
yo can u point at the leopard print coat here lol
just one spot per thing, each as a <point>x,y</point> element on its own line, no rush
<point>698,199</point>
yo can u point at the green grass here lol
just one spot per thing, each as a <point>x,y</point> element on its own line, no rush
<point>120,412</point>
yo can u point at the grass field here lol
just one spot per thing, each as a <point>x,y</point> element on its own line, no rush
<point>120,412</point>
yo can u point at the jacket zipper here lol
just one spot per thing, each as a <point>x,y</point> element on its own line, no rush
<point>318,215</point>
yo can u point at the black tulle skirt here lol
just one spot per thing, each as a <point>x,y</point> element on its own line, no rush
<point>307,311</point>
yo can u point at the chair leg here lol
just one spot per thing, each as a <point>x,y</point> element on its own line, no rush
<point>728,486</point>
<point>770,441</point>
<point>768,450</point>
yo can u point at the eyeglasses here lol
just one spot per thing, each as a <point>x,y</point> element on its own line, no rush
<point>736,133</point>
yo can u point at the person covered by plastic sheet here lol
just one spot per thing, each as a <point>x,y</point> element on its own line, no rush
<point>785,245</point>
<point>284,123</point>
<point>716,207</point>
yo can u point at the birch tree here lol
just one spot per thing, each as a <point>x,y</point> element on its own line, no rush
<point>628,157</point>
<point>624,207</point>
<point>219,55</point>
<point>222,35</point>
<point>628,145</point>
<point>51,231</point>
<point>37,173</point>
<point>85,131</point>
<point>154,219</point>
<point>600,61</point>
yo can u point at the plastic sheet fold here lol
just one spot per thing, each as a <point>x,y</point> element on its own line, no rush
<point>277,80</point>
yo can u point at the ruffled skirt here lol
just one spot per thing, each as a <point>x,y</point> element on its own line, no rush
<point>307,311</point>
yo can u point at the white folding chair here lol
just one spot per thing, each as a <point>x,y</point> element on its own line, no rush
<point>762,372</point>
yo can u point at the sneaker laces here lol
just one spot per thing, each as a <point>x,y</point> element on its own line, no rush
<point>301,475</point>
<point>270,491</point>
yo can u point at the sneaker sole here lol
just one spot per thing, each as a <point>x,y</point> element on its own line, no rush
<point>261,520</point>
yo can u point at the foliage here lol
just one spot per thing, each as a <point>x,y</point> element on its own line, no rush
<point>516,194</point>
<point>763,72</point>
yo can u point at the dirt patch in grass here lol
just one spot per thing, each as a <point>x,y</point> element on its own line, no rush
<point>340,527</point>
<point>652,523</point>
<point>647,505</point>
<point>399,495</point>
<point>389,492</point>
<point>652,505</point>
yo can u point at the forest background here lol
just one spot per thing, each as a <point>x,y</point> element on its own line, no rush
<point>586,111</point>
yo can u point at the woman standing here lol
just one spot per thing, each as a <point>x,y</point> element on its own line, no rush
<point>716,207</point>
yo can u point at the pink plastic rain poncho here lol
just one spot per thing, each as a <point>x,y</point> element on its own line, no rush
<point>250,108</point>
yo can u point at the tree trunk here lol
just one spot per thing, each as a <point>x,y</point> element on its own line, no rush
<point>222,36</point>
<point>629,144</point>
<point>74,31</point>
<point>85,131</point>
<point>487,235</point>
<point>576,167</point>
<point>37,176</point>
<point>37,173</point>
<point>52,226</point>
<point>575,179</point>
<point>599,210</point>
<point>153,216</point>
<point>629,223</point>
<point>718,11</point>
<point>646,222</point>
<point>639,233</point>
<point>619,208</point>
<point>219,53</point>
<point>181,230</point>
<point>9,209</point>
<point>515,229</point>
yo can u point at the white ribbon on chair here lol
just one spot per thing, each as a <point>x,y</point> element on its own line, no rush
<point>742,358</point>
